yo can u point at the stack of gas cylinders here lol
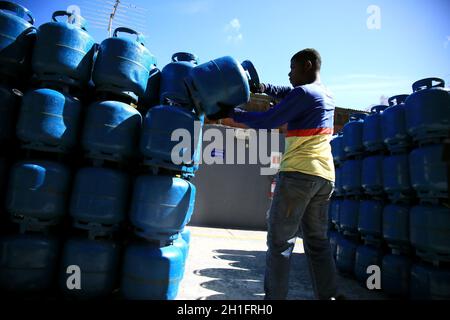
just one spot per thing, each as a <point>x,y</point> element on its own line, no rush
<point>98,147</point>
<point>391,207</point>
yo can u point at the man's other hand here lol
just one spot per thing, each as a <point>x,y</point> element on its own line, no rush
<point>257,89</point>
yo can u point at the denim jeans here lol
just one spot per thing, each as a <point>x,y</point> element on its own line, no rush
<point>300,205</point>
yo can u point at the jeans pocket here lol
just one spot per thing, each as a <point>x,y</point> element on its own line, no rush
<point>299,183</point>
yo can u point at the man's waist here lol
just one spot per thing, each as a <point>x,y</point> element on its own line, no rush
<point>309,132</point>
<point>300,174</point>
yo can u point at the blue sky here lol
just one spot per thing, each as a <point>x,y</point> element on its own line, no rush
<point>360,64</point>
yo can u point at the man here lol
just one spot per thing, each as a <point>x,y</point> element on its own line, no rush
<point>306,178</point>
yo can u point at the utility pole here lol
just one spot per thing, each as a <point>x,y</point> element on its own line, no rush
<point>100,15</point>
<point>111,17</point>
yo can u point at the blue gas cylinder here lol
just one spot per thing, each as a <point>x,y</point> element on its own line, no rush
<point>219,85</point>
<point>345,255</point>
<point>184,248</point>
<point>160,127</point>
<point>430,232</point>
<point>17,36</point>
<point>353,134</point>
<point>123,65</point>
<point>372,175</point>
<point>173,88</point>
<point>99,198</point>
<point>395,278</point>
<point>334,210</point>
<point>3,176</point>
<point>337,149</point>
<point>428,110</point>
<point>150,272</point>
<point>396,225</point>
<point>393,125</point>
<point>181,244</point>
<point>351,177</point>
<point>152,92</point>
<point>28,263</point>
<point>334,237</point>
<point>38,192</point>
<point>64,50</point>
<point>252,75</point>
<point>9,108</point>
<point>161,206</point>
<point>349,215</point>
<point>49,121</point>
<point>365,257</point>
<point>429,172</point>
<point>111,131</point>
<point>396,177</point>
<point>338,188</point>
<point>372,134</point>
<point>4,170</point>
<point>370,218</point>
<point>429,282</point>
<point>186,235</point>
<point>97,263</point>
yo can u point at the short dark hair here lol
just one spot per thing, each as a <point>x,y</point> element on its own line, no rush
<point>309,54</point>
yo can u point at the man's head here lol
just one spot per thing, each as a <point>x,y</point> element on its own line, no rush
<point>305,67</point>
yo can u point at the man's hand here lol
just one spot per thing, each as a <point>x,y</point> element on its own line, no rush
<point>235,111</point>
<point>257,89</point>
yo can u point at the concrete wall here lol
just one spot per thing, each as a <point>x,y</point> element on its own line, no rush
<point>232,196</point>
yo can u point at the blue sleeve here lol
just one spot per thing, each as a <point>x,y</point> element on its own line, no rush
<point>277,92</point>
<point>287,110</point>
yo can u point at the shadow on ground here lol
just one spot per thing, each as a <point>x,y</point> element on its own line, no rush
<point>245,279</point>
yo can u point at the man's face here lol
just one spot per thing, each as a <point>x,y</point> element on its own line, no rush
<point>301,73</point>
<point>295,76</point>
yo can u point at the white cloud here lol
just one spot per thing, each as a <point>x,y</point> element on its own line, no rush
<point>233,30</point>
<point>235,24</point>
<point>447,41</point>
<point>235,39</point>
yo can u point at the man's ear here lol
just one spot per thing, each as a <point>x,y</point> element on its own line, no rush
<point>308,65</point>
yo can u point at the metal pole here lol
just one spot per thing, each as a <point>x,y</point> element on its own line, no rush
<point>111,17</point>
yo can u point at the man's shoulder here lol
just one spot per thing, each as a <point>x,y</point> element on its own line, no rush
<point>319,92</point>
<point>316,89</point>
<point>299,92</point>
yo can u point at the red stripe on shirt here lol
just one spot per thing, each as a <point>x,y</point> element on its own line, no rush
<point>309,132</point>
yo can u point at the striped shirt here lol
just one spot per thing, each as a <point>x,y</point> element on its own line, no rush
<point>309,112</point>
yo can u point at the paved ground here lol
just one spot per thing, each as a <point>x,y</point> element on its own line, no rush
<point>229,265</point>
